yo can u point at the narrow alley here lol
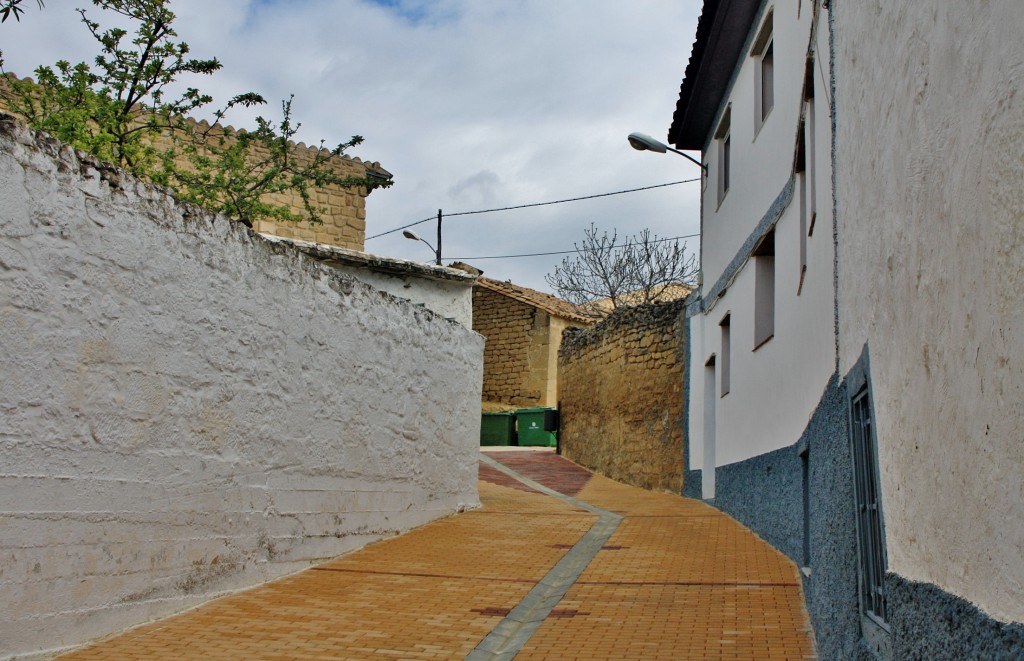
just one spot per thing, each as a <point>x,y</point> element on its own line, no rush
<point>557,564</point>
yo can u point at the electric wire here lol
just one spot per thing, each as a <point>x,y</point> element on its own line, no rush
<point>403,227</point>
<point>527,206</point>
<point>567,252</point>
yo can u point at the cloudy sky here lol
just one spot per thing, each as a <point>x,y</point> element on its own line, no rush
<point>471,104</point>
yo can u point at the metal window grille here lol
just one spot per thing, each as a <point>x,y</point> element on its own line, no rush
<point>869,520</point>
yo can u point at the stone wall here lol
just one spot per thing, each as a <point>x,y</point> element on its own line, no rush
<point>516,359</point>
<point>189,409</point>
<point>343,210</point>
<point>621,389</point>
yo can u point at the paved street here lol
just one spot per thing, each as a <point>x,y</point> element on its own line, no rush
<point>557,564</point>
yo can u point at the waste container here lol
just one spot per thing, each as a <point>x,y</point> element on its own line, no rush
<point>537,426</point>
<point>498,428</point>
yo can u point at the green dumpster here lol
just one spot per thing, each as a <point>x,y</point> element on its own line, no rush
<point>538,426</point>
<point>498,428</point>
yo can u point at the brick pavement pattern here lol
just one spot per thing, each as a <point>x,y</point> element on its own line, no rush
<point>677,580</point>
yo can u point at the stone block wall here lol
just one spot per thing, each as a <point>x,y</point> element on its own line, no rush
<point>620,383</point>
<point>189,409</point>
<point>518,350</point>
<point>343,210</point>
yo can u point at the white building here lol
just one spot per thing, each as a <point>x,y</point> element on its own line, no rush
<point>856,360</point>
<point>761,335</point>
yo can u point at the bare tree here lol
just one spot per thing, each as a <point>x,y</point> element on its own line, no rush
<point>606,274</point>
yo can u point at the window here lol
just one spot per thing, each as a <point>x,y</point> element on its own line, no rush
<point>764,290</point>
<point>812,193</point>
<point>763,53</point>
<point>800,167</point>
<point>724,141</point>
<point>870,543</point>
<point>725,326</point>
<point>708,467</point>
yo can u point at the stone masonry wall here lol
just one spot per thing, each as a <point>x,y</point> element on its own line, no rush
<point>621,389</point>
<point>189,409</point>
<point>516,354</point>
<point>343,210</point>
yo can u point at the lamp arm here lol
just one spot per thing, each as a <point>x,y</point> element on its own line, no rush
<point>685,155</point>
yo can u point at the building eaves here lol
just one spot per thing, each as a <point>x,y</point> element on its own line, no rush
<point>722,31</point>
<point>550,304</point>
<point>335,256</point>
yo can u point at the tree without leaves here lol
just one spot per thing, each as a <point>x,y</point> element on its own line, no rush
<point>608,274</point>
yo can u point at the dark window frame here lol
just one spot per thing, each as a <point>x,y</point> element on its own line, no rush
<point>871,552</point>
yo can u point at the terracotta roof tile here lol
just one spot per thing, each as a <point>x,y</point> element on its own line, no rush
<point>672,292</point>
<point>547,302</point>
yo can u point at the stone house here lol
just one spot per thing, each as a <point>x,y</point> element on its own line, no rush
<point>853,385</point>
<point>523,328</point>
<point>344,209</point>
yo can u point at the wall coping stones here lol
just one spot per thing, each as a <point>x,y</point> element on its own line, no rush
<point>575,339</point>
<point>337,256</point>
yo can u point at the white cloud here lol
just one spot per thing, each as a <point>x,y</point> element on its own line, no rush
<point>469,103</point>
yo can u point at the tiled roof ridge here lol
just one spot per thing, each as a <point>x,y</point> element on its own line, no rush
<point>312,150</point>
<point>547,302</point>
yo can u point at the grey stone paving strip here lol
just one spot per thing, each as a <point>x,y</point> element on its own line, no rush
<point>512,633</point>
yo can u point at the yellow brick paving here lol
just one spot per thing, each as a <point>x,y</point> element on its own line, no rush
<point>678,580</point>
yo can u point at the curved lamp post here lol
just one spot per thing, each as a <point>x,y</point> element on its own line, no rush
<point>409,234</point>
<point>644,142</point>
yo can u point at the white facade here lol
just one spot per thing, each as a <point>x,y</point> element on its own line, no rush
<point>765,389</point>
<point>931,252</point>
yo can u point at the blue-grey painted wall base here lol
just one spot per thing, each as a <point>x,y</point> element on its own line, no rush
<point>926,621</point>
<point>689,481</point>
<point>766,490</point>
<point>692,484</point>
<point>929,623</point>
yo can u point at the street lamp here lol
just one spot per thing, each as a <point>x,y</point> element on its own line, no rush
<point>409,234</point>
<point>644,142</point>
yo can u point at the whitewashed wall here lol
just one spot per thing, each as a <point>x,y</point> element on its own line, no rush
<point>446,291</point>
<point>448,298</point>
<point>931,237</point>
<point>188,409</point>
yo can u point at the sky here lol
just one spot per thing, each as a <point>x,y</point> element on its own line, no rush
<point>470,104</point>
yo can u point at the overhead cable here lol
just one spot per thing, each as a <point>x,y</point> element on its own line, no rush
<point>566,252</point>
<point>535,204</point>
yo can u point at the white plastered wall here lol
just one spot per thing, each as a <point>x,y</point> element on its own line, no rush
<point>931,258</point>
<point>453,300</point>
<point>775,389</point>
<point>761,160</point>
<point>188,409</point>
